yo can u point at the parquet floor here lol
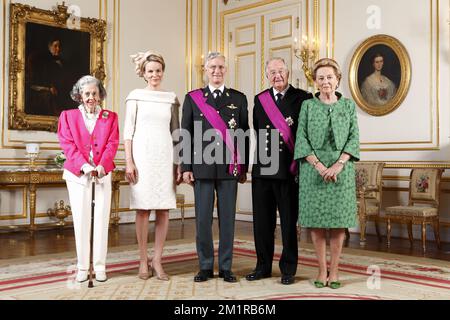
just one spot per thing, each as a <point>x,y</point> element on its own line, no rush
<point>24,244</point>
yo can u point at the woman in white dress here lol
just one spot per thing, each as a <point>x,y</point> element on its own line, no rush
<point>378,89</point>
<point>151,118</point>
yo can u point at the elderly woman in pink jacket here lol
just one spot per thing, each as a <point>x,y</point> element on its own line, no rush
<point>89,137</point>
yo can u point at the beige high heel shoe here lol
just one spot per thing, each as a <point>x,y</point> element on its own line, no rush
<point>143,275</point>
<point>160,276</point>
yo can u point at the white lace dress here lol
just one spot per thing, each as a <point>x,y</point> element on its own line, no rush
<point>151,117</point>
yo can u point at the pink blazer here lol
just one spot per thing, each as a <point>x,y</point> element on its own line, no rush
<point>76,142</point>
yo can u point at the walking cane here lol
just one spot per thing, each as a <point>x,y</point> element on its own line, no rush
<point>94,174</point>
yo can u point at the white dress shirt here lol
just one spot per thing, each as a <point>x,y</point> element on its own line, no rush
<point>275,91</point>
<point>211,88</point>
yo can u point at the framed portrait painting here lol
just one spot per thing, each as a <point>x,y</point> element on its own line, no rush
<point>49,52</point>
<point>380,74</point>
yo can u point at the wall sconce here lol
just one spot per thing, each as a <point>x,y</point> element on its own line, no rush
<point>60,212</point>
<point>308,54</point>
<point>32,150</point>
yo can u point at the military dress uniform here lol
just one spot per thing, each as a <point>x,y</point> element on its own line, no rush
<point>231,105</point>
<point>277,189</point>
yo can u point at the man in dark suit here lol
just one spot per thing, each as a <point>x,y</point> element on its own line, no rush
<point>274,185</point>
<point>213,114</point>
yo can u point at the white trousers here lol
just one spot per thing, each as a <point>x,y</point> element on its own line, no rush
<point>80,196</point>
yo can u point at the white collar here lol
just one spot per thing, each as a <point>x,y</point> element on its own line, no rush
<point>275,91</point>
<point>90,116</point>
<point>211,88</point>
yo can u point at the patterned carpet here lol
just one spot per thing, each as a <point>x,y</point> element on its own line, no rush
<point>51,277</point>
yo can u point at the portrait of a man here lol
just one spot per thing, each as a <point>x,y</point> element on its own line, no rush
<point>49,51</point>
<point>55,59</point>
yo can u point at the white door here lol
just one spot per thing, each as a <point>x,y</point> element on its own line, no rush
<point>251,37</point>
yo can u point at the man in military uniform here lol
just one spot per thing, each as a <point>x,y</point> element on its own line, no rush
<point>213,114</point>
<point>274,185</point>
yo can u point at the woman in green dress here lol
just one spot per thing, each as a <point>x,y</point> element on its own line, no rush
<point>327,144</point>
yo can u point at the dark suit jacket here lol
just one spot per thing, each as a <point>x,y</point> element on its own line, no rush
<point>289,107</point>
<point>231,105</point>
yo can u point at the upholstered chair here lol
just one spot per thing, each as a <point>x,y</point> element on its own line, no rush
<point>423,205</point>
<point>369,185</point>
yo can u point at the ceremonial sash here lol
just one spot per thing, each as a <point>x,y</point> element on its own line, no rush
<point>279,122</point>
<point>210,113</point>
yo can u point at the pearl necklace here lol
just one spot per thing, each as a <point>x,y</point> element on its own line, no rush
<point>90,115</point>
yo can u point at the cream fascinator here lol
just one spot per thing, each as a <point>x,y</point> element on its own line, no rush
<point>139,59</point>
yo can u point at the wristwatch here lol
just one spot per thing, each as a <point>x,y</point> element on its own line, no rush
<point>341,162</point>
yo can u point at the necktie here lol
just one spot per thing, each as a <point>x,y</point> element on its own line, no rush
<point>218,93</point>
<point>279,97</point>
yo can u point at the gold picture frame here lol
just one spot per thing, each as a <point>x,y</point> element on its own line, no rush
<point>35,102</point>
<point>380,74</point>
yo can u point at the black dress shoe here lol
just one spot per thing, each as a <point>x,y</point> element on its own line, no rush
<point>257,275</point>
<point>204,275</point>
<point>287,279</point>
<point>227,276</point>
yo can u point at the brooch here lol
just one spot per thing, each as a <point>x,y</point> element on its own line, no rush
<point>232,123</point>
<point>289,121</point>
<point>232,107</point>
<point>105,115</point>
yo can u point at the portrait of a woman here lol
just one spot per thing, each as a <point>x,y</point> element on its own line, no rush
<point>377,89</point>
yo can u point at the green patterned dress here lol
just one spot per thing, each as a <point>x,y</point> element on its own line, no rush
<point>327,130</point>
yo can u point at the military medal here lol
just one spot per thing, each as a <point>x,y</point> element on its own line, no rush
<point>289,121</point>
<point>232,123</point>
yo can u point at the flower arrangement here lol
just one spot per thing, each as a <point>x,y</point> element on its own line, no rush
<point>59,159</point>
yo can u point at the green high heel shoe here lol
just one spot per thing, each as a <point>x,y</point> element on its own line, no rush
<point>319,284</point>
<point>335,285</point>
